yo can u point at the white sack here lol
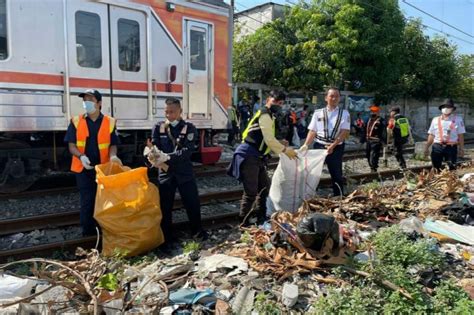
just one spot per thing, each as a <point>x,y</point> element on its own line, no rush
<point>296,180</point>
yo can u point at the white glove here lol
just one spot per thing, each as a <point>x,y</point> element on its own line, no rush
<point>303,148</point>
<point>411,141</point>
<point>86,162</point>
<point>162,158</point>
<point>115,159</point>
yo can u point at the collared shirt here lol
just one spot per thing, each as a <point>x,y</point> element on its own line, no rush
<point>317,122</point>
<point>452,127</point>
<point>92,146</point>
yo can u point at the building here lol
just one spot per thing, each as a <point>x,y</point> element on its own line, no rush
<point>248,21</point>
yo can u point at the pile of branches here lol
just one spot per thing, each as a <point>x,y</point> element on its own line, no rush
<point>423,195</point>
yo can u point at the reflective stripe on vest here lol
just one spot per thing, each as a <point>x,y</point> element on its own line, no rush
<point>254,126</point>
<point>448,133</point>
<point>103,139</point>
<point>326,137</point>
<point>164,129</point>
<point>371,127</point>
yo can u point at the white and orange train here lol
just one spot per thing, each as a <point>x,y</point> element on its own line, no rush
<point>136,53</point>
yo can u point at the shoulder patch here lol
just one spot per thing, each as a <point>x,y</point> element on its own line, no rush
<point>190,136</point>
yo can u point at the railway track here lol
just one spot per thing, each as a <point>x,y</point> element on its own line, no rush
<point>72,218</point>
<point>68,184</point>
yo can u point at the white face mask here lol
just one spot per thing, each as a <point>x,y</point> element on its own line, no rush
<point>89,106</point>
<point>446,111</point>
<point>173,123</point>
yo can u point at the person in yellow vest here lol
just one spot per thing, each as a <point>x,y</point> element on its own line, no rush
<point>446,134</point>
<point>249,162</point>
<point>92,139</point>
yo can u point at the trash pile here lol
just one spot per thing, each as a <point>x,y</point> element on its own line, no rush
<point>409,246</point>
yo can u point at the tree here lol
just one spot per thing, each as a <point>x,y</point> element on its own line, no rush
<point>464,90</point>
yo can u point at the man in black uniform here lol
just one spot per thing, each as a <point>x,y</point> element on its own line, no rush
<point>176,140</point>
<point>398,134</point>
<point>374,135</point>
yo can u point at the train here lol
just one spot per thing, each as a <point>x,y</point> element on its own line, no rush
<point>137,53</point>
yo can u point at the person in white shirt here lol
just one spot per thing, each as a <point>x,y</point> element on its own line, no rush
<point>446,134</point>
<point>330,126</point>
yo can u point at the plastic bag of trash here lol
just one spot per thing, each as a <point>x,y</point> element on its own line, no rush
<point>127,208</point>
<point>12,287</point>
<point>296,180</point>
<point>315,229</point>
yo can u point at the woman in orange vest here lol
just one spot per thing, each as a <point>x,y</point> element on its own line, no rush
<point>92,139</point>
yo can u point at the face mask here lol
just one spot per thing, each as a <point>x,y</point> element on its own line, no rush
<point>447,111</point>
<point>173,123</point>
<point>89,106</point>
<point>275,109</point>
<point>373,115</point>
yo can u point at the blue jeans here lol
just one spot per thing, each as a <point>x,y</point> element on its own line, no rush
<point>334,163</point>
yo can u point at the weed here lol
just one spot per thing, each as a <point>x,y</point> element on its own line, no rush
<point>245,237</point>
<point>263,305</point>
<point>191,246</point>
<point>374,185</point>
<point>396,253</point>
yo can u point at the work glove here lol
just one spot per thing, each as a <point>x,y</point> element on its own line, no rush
<point>291,153</point>
<point>115,159</point>
<point>411,141</point>
<point>86,162</point>
<point>162,158</point>
<point>303,148</point>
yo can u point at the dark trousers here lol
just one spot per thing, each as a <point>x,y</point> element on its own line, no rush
<point>372,152</point>
<point>398,146</point>
<point>289,136</point>
<point>232,133</point>
<point>334,163</point>
<point>87,191</point>
<point>447,153</point>
<point>256,184</point>
<point>190,198</point>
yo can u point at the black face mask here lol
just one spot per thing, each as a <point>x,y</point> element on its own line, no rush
<point>373,115</point>
<point>275,109</point>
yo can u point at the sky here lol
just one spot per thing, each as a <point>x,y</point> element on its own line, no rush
<point>457,13</point>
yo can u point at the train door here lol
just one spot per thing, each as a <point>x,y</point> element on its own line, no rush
<point>88,52</point>
<point>198,66</point>
<point>129,64</point>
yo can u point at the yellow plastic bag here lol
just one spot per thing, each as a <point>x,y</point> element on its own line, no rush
<point>127,208</point>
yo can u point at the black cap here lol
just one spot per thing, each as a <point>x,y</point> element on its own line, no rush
<point>447,103</point>
<point>92,92</point>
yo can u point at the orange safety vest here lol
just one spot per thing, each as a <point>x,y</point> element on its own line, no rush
<point>452,126</point>
<point>293,117</point>
<point>103,139</point>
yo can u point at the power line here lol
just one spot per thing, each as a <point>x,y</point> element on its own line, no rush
<point>438,19</point>
<point>427,26</point>
<point>248,15</point>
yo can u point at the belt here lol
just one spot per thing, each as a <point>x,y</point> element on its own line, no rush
<point>451,144</point>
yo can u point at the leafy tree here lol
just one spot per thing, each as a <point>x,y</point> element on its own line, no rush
<point>465,88</point>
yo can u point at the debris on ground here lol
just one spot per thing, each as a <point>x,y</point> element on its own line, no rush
<point>384,249</point>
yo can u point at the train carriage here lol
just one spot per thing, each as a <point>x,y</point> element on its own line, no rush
<point>136,53</point>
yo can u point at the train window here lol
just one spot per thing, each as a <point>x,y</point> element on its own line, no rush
<point>88,40</point>
<point>198,50</point>
<point>128,45</point>
<point>3,30</point>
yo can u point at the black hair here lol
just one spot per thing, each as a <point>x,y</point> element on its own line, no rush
<point>305,107</point>
<point>332,88</point>
<point>395,109</point>
<point>278,95</point>
<point>173,101</point>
